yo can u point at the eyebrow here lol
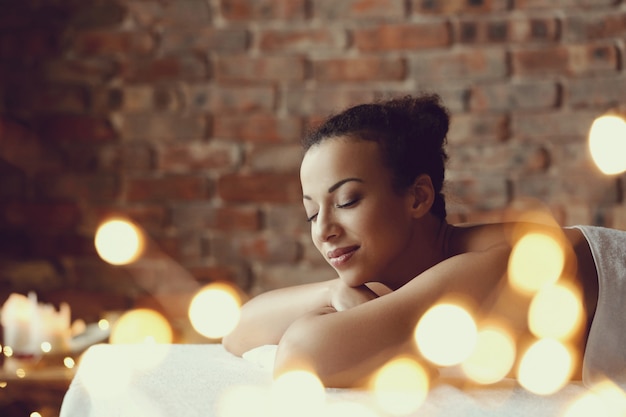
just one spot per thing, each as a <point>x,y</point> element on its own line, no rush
<point>335,186</point>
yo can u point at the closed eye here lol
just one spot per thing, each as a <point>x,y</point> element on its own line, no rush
<point>310,219</point>
<point>348,204</point>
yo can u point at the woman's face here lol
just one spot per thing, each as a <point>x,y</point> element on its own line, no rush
<point>358,223</point>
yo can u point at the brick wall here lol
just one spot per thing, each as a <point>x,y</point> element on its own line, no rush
<point>185,115</point>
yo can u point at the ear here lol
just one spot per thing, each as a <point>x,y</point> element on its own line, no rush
<point>422,194</point>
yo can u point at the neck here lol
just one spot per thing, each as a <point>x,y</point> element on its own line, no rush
<point>429,246</point>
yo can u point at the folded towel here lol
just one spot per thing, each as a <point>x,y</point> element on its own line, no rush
<point>605,352</point>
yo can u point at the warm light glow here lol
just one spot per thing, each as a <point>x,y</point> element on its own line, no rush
<point>214,311</point>
<point>119,242</point>
<point>556,311</point>
<point>348,409</point>
<point>69,362</point>
<point>140,326</point>
<point>46,347</point>
<point>243,401</point>
<point>3,384</point>
<point>20,373</point>
<point>8,351</point>
<point>604,399</point>
<point>537,259</point>
<point>446,334</point>
<point>607,143</point>
<point>545,367</point>
<point>104,376</point>
<point>35,414</point>
<point>401,386</point>
<point>103,324</point>
<point>297,393</point>
<point>492,358</point>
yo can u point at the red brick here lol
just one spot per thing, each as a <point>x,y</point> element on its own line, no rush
<point>507,160</point>
<point>280,276</point>
<point>168,68</point>
<point>204,216</point>
<point>464,63</point>
<point>182,248</point>
<point>136,156</point>
<point>361,69</point>
<point>167,188</point>
<point>594,91</point>
<point>204,39</point>
<point>542,4</point>
<point>505,29</point>
<point>105,42</point>
<point>288,220</point>
<point>237,274</point>
<point>277,158</point>
<point>134,98</point>
<point>359,9</point>
<point>390,37</point>
<point>592,25</point>
<point>75,128</point>
<point>575,187</point>
<point>162,126</point>
<point>578,59</point>
<point>84,71</point>
<point>150,217</point>
<point>260,188</point>
<point>229,98</point>
<point>479,192</point>
<point>301,40</point>
<point>78,187</point>
<point>478,128</point>
<point>446,7</point>
<point>258,128</point>
<point>151,13</point>
<point>197,156</point>
<point>557,124</point>
<point>514,96</point>
<point>254,248</point>
<point>243,68</point>
<point>323,100</point>
<point>262,10</point>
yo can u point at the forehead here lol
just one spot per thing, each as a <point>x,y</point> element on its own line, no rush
<point>341,157</point>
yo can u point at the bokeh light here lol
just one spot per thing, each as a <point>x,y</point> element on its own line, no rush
<point>493,357</point>
<point>537,259</point>
<point>140,326</point>
<point>119,242</point>
<point>556,311</point>
<point>607,144</point>
<point>603,399</point>
<point>545,367</point>
<point>297,393</point>
<point>215,310</point>
<point>348,409</point>
<point>69,362</point>
<point>401,386</point>
<point>103,376</point>
<point>244,401</point>
<point>446,334</point>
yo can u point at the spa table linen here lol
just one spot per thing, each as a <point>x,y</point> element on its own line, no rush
<point>198,380</point>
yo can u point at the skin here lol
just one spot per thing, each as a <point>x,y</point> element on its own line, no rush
<point>394,260</point>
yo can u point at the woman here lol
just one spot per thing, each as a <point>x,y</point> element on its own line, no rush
<point>372,179</point>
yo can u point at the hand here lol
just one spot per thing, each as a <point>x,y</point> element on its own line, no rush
<point>343,297</point>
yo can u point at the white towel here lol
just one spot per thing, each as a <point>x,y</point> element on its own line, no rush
<point>605,353</point>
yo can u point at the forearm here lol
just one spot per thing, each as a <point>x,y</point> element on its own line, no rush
<point>265,318</point>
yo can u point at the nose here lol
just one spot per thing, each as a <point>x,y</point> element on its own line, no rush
<point>325,227</point>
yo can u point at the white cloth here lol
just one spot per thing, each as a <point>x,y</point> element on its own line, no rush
<point>605,352</point>
<point>207,381</point>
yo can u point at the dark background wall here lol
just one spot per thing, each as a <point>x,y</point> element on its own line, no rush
<point>185,116</point>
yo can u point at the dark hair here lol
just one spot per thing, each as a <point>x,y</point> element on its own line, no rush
<point>411,133</point>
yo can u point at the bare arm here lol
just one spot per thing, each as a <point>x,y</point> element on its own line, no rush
<point>344,348</point>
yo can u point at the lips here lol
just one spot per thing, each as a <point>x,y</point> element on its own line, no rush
<point>340,256</point>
